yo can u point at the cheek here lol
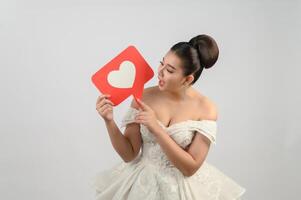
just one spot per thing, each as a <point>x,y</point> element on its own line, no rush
<point>173,80</point>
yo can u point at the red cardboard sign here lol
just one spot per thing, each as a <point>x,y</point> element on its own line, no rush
<point>123,76</point>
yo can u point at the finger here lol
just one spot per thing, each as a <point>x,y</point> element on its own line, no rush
<point>143,114</point>
<point>139,117</point>
<point>107,106</point>
<point>111,102</point>
<point>139,102</point>
<point>101,109</point>
<point>107,101</point>
<point>103,96</point>
<point>103,102</point>
<point>140,121</point>
<point>142,105</point>
<point>106,110</point>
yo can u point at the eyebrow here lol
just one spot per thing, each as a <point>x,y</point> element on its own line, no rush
<point>170,65</point>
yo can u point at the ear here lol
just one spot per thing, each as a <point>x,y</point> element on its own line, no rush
<point>188,79</point>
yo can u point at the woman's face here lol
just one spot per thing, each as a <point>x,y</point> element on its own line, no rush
<point>170,72</point>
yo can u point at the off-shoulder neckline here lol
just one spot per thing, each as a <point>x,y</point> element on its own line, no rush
<point>181,122</point>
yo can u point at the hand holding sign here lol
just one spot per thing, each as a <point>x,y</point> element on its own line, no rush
<point>105,107</point>
<point>123,76</point>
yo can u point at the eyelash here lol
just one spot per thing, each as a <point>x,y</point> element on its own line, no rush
<point>161,63</point>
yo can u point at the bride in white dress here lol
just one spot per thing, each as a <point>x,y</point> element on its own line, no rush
<point>161,161</point>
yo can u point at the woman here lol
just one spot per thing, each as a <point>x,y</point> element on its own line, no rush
<point>174,126</point>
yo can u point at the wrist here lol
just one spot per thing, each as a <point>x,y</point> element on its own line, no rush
<point>108,122</point>
<point>158,131</point>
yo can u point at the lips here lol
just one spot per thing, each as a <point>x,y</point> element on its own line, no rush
<point>161,83</point>
<point>160,79</point>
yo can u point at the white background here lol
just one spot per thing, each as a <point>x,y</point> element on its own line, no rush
<point>53,141</point>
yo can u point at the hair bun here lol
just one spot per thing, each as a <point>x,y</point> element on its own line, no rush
<point>207,49</point>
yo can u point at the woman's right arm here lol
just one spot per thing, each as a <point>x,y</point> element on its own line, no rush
<point>127,145</point>
<point>121,144</point>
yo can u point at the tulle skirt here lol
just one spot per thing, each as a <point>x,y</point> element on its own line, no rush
<point>142,180</point>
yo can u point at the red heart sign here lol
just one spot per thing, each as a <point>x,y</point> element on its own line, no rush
<point>123,76</point>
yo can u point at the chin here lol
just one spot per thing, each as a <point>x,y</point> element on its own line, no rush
<point>160,87</point>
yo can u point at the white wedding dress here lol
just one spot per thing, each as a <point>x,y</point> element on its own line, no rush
<point>151,176</point>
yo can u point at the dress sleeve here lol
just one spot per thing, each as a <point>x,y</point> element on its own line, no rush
<point>129,117</point>
<point>207,128</point>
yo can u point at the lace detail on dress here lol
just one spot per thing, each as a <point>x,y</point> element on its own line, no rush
<point>181,132</point>
<point>151,175</point>
<point>154,157</point>
<point>129,117</point>
<point>206,177</point>
<point>205,127</point>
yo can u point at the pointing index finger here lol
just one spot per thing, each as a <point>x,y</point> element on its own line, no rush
<point>142,105</point>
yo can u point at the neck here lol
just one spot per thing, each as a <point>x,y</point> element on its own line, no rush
<point>179,95</point>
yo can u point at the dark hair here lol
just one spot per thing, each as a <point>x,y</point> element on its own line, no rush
<point>200,52</point>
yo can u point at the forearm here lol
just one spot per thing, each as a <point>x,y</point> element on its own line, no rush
<point>179,157</point>
<point>120,143</point>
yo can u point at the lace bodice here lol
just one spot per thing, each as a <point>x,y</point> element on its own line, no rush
<point>152,176</point>
<point>181,132</point>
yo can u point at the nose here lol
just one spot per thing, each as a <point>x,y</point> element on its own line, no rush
<point>160,71</point>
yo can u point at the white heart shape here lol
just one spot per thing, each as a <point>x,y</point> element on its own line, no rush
<point>124,77</point>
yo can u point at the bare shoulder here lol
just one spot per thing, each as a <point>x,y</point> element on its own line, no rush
<point>209,108</point>
<point>146,96</point>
